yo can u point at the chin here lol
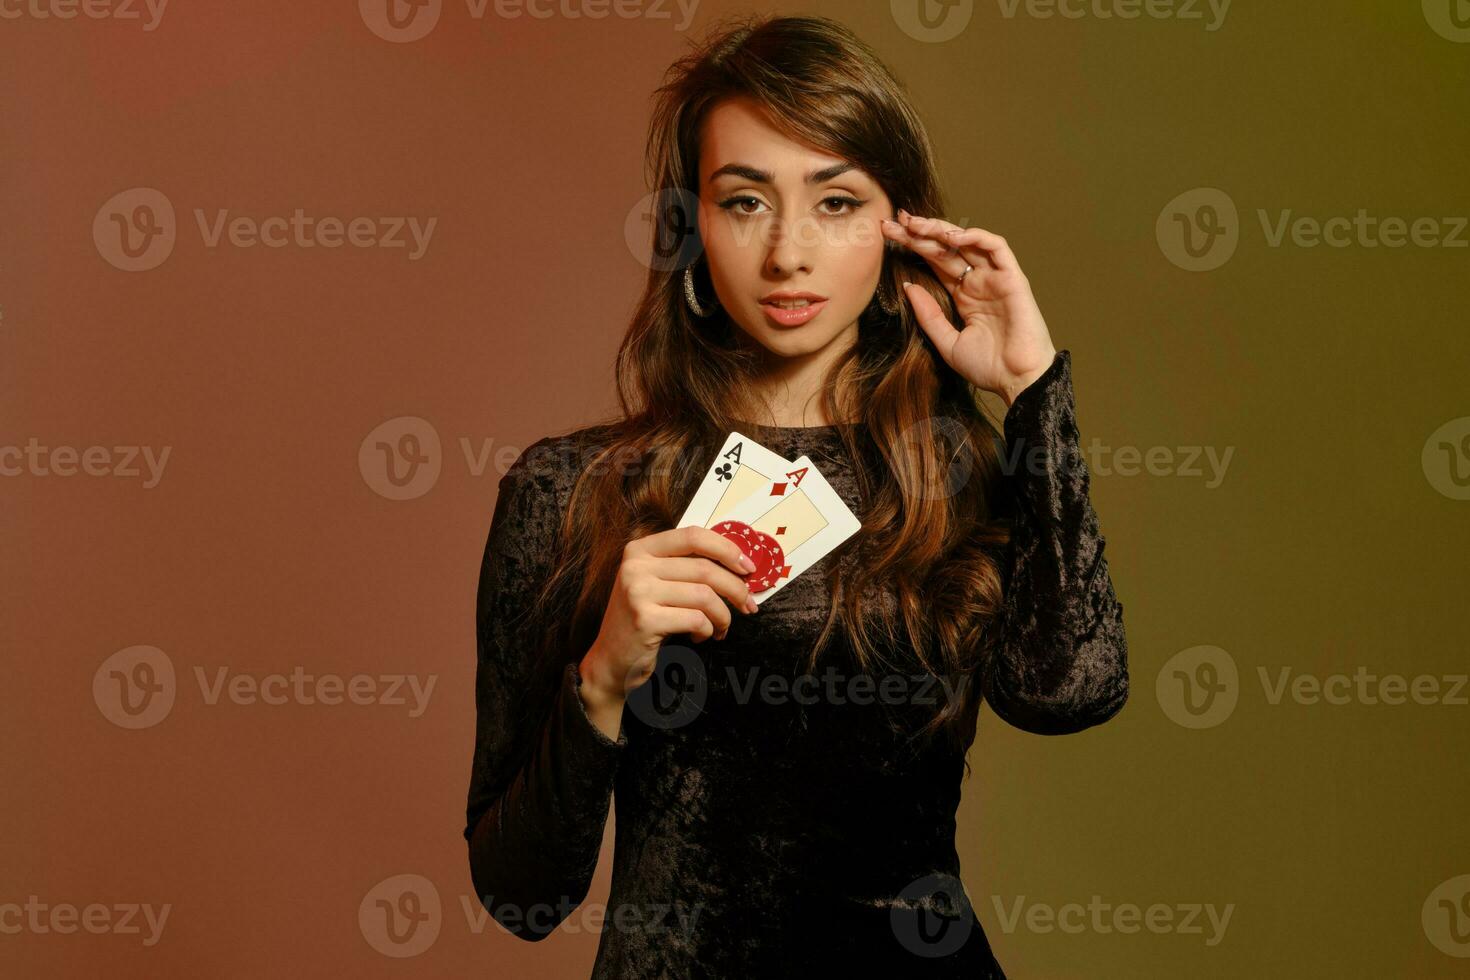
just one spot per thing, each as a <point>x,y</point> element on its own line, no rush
<point>792,341</point>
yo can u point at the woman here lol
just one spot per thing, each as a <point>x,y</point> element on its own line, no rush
<point>762,835</point>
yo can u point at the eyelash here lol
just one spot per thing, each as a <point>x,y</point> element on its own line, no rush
<point>729,204</point>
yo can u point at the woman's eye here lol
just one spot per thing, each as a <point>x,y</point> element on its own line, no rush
<point>734,203</point>
<point>843,202</point>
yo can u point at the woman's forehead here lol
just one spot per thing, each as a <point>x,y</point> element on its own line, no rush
<point>738,134</point>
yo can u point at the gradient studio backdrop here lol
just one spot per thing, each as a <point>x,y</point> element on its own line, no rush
<point>1278,419</point>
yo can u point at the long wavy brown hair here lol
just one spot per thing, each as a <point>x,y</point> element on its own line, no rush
<point>927,459</point>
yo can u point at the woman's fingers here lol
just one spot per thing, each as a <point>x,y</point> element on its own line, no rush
<point>694,540</point>
<point>932,319</point>
<point>665,621</point>
<point>985,246</point>
<point>694,596</point>
<point>948,248</point>
<point>941,256</point>
<point>697,569</point>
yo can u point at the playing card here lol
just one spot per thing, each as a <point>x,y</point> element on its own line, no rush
<point>741,467</point>
<point>787,525</point>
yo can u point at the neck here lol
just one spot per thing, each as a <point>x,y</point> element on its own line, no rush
<point>791,387</point>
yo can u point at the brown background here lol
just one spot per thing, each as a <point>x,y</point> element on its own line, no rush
<point>265,548</point>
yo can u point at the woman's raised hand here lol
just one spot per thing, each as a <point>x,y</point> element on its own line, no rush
<point>1003,344</point>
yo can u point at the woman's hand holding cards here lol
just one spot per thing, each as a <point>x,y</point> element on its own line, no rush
<point>675,581</point>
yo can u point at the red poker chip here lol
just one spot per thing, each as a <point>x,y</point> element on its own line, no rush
<point>748,538</point>
<point>773,568</point>
<point>762,549</point>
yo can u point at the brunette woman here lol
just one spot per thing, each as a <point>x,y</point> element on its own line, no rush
<point>762,834</point>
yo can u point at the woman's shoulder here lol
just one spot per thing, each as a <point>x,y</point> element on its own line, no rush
<point>534,489</point>
<point>553,462</point>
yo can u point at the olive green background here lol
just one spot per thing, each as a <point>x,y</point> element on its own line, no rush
<point>1328,547</point>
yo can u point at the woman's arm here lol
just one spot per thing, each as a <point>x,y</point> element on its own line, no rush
<point>1060,662</point>
<point>542,776</point>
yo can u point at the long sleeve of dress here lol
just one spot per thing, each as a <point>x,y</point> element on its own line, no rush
<point>542,775</point>
<point>1060,661</point>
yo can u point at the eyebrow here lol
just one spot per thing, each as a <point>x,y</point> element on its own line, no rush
<point>758,176</point>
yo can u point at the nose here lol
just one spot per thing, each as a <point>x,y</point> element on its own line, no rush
<point>785,253</point>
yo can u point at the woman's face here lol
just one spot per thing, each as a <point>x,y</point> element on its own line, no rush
<point>777,216</point>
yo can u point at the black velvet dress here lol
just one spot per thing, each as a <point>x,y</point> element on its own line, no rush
<point>784,833</point>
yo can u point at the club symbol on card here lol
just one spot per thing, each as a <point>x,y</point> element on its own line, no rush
<point>723,473</point>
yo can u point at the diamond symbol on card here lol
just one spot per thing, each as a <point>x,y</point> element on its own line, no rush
<point>781,529</point>
<point>778,489</point>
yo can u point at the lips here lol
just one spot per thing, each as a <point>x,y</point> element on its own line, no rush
<point>788,315</point>
<point>792,318</point>
<point>790,295</point>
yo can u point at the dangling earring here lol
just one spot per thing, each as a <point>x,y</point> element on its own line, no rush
<point>693,300</point>
<point>892,307</point>
<point>881,296</point>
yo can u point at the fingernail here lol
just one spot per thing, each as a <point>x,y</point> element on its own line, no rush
<point>751,605</point>
<point>903,215</point>
<point>746,563</point>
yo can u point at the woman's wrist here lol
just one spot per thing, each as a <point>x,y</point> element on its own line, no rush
<point>598,690</point>
<point>602,702</point>
<point>1011,389</point>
